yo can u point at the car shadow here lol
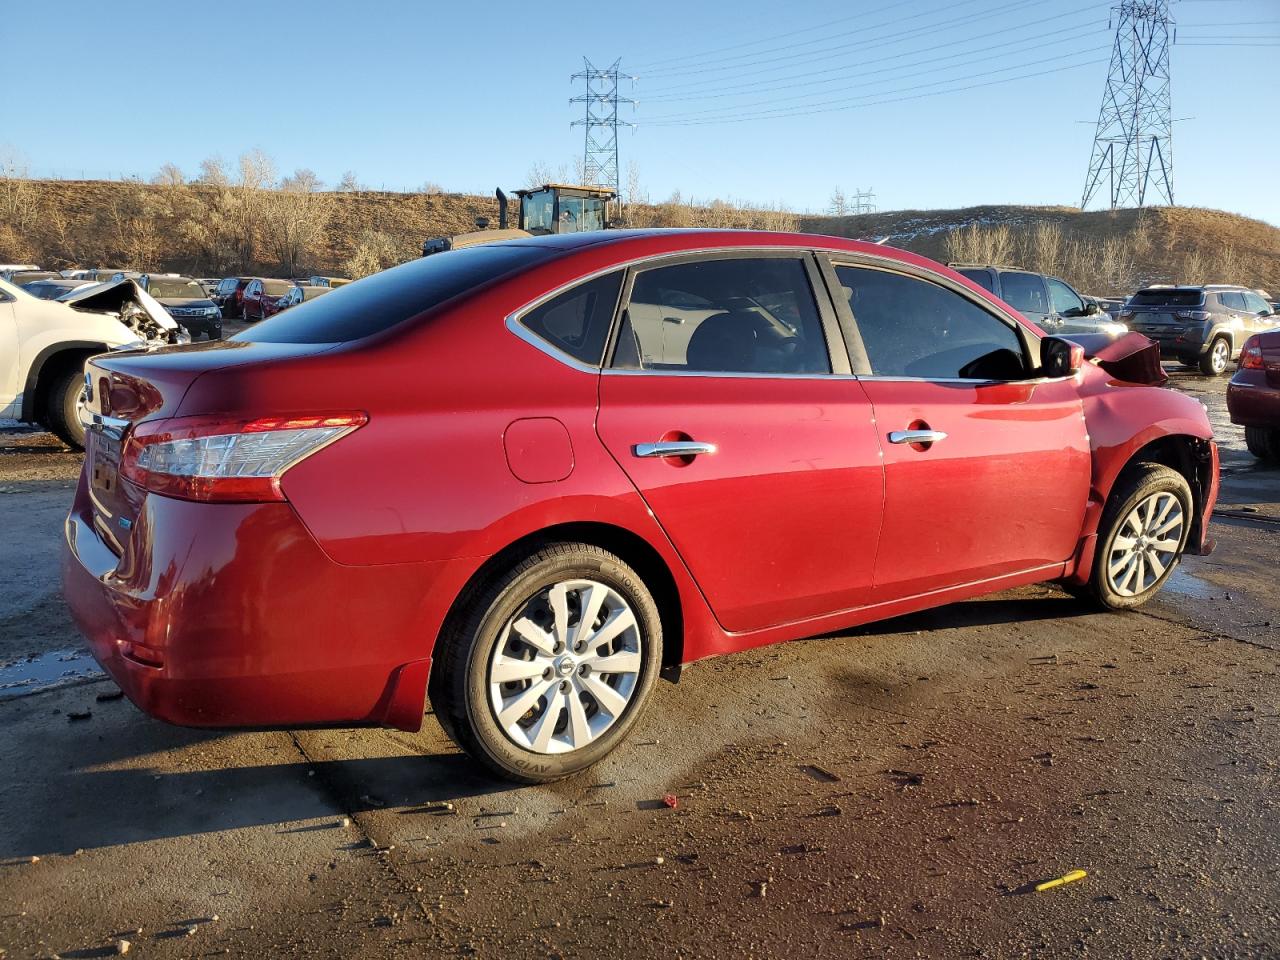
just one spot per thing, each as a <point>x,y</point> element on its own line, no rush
<point>984,612</point>
<point>87,809</point>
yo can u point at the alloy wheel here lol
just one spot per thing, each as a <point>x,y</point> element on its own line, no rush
<point>1221,356</point>
<point>1146,545</point>
<point>565,667</point>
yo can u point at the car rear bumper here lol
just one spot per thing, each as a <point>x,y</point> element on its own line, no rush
<point>1251,401</point>
<point>230,615</point>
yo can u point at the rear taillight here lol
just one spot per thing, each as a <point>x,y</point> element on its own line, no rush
<point>219,460</point>
<point>1251,354</point>
<point>1192,314</point>
<point>1124,314</point>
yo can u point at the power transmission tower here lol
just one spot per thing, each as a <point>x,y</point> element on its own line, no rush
<point>863,201</point>
<point>1133,142</point>
<point>600,123</point>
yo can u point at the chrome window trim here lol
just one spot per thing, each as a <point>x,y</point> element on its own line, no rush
<point>551,350</point>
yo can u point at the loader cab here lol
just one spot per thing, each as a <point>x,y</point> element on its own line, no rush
<point>560,208</point>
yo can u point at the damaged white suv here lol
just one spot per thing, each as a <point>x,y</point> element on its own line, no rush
<point>44,344</point>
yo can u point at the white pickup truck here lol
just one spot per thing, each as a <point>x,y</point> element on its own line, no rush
<point>44,344</point>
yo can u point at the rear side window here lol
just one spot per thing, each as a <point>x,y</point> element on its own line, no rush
<point>736,315</point>
<point>379,302</point>
<point>914,328</point>
<point>1170,298</point>
<point>1024,292</point>
<point>577,321</point>
<point>1232,300</point>
<point>981,277</point>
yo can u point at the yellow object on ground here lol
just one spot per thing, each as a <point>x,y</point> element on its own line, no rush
<point>1071,877</point>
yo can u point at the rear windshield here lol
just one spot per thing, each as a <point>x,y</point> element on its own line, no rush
<point>1171,298</point>
<point>377,303</point>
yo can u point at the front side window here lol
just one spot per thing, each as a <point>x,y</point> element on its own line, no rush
<point>1065,300</point>
<point>915,328</point>
<point>578,320</point>
<point>1024,292</point>
<point>736,315</point>
<point>1255,304</point>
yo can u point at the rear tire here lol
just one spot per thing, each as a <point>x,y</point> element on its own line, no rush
<point>1263,443</point>
<point>1142,535</point>
<point>562,710</point>
<point>61,413</point>
<point>1215,360</point>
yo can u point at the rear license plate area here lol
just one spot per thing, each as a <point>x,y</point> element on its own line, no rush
<point>104,454</point>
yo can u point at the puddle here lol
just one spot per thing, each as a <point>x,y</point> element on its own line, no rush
<point>48,670</point>
<point>1187,585</point>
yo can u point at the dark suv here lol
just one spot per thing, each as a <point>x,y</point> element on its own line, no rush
<point>229,296</point>
<point>1202,326</point>
<point>1051,304</point>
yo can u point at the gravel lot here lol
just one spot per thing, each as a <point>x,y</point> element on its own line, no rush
<point>893,791</point>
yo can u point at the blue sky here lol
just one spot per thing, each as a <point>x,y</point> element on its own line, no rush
<point>471,95</point>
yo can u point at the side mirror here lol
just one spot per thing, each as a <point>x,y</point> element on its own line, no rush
<point>1059,357</point>
<point>1092,309</point>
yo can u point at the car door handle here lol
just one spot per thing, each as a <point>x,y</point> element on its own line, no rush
<point>916,436</point>
<point>675,448</point>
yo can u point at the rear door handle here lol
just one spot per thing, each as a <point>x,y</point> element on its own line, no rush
<point>677,448</point>
<point>916,436</point>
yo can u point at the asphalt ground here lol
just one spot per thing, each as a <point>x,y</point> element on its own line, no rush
<point>895,790</point>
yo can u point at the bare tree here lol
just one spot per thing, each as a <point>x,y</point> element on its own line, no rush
<point>839,205</point>
<point>170,175</point>
<point>19,199</point>
<point>294,218</point>
<point>431,188</point>
<point>349,183</point>
<point>213,172</point>
<point>375,250</point>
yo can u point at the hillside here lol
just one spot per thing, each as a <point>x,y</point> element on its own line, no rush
<point>211,230</point>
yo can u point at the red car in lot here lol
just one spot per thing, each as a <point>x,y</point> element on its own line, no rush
<point>528,477</point>
<point>1253,395</point>
<point>258,301</point>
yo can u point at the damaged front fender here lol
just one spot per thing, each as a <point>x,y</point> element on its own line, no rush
<point>1131,357</point>
<point>134,307</point>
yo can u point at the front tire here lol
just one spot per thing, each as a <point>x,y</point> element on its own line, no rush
<point>61,413</point>
<point>1214,362</point>
<point>522,688</point>
<point>1263,443</point>
<point>1142,535</point>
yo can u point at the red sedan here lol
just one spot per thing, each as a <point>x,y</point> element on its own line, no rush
<point>259,299</point>
<point>526,478</point>
<point>1253,395</point>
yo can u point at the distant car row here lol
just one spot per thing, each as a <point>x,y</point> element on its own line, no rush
<point>1201,326</point>
<point>197,305</point>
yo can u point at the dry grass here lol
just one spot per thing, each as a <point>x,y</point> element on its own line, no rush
<point>207,230</point>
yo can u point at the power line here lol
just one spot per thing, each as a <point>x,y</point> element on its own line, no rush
<point>982,52</point>
<point>938,27</point>
<point>918,96</point>
<point>921,86</point>
<point>819,26</point>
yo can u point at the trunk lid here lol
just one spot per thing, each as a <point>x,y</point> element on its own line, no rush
<point>1270,343</point>
<point>127,387</point>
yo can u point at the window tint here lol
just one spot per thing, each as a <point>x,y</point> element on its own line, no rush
<point>1024,292</point>
<point>1064,299</point>
<point>736,315</point>
<point>1169,297</point>
<point>1255,304</point>
<point>577,321</point>
<point>376,303</point>
<point>914,328</point>
<point>981,277</point>
<point>1232,300</point>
